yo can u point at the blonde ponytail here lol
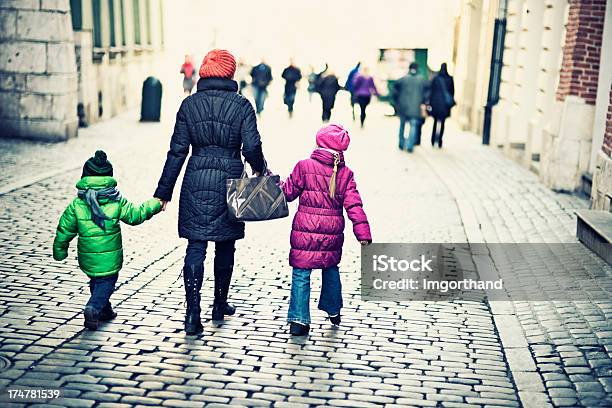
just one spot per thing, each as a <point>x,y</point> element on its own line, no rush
<point>332,180</point>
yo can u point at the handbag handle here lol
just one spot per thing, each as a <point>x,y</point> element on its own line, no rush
<point>244,172</point>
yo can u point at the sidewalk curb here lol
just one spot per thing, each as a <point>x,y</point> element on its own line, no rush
<point>521,364</point>
<point>28,181</point>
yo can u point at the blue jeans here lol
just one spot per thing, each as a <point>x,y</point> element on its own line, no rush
<point>260,96</point>
<point>330,300</point>
<point>101,290</point>
<point>413,134</point>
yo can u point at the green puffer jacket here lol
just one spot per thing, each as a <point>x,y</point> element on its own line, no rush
<point>100,252</point>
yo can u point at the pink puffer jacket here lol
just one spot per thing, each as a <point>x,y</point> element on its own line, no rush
<point>317,233</point>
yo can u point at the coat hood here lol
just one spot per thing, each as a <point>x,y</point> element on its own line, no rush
<point>96,182</point>
<point>334,137</point>
<point>326,156</point>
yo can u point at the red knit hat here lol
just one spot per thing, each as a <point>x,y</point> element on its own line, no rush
<point>218,64</point>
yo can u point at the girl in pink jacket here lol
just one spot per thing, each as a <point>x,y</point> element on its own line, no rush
<point>325,186</point>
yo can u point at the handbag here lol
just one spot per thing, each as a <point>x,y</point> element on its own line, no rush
<point>256,198</point>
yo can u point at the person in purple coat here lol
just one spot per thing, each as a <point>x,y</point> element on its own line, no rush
<point>363,89</point>
<point>324,185</point>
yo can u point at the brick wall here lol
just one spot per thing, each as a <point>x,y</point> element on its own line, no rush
<point>582,49</point>
<point>607,144</point>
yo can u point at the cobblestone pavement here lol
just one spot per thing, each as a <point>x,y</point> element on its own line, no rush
<point>466,352</point>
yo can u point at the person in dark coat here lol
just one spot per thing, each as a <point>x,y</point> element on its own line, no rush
<point>440,103</point>
<point>348,85</point>
<point>328,87</point>
<point>261,76</point>
<point>409,97</point>
<point>217,123</point>
<point>292,75</point>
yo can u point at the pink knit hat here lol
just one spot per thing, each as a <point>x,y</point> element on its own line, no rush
<point>218,64</point>
<point>333,136</point>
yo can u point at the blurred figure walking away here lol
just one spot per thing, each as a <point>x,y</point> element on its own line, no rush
<point>292,75</point>
<point>328,87</point>
<point>410,96</point>
<point>363,89</point>
<point>348,85</point>
<point>242,70</point>
<point>188,70</point>
<point>441,101</point>
<point>261,76</point>
<point>313,81</point>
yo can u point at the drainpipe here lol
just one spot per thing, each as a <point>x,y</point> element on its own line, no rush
<point>497,60</point>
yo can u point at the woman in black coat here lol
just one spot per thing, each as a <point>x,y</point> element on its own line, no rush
<point>441,101</point>
<point>328,87</point>
<point>218,124</point>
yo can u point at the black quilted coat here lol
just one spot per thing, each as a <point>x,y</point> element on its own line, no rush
<point>218,124</point>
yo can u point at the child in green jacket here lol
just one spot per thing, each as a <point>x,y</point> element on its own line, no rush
<point>94,216</point>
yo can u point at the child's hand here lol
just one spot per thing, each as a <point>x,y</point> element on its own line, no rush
<point>365,243</point>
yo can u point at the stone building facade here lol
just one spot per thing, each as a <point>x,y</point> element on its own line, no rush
<point>117,46</point>
<point>70,62</point>
<point>38,71</point>
<point>554,87</point>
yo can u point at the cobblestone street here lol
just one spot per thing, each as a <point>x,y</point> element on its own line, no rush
<point>466,352</point>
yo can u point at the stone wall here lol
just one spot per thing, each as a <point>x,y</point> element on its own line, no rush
<point>38,79</point>
<point>568,150</point>
<point>602,177</point>
<point>607,144</point>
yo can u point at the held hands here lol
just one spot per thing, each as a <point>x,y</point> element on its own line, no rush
<point>163,203</point>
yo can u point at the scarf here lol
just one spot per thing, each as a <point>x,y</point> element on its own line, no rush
<point>92,197</point>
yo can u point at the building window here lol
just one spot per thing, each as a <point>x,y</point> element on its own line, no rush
<point>77,15</point>
<point>111,17</point>
<point>97,23</point>
<point>136,9</point>
<point>148,21</point>
<point>123,30</point>
<point>161,22</point>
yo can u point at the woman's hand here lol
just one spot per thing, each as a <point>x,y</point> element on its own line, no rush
<point>365,243</point>
<point>163,203</point>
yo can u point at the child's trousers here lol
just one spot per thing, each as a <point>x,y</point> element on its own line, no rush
<point>331,294</point>
<point>101,290</point>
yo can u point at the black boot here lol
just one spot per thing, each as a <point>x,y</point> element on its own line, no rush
<point>298,329</point>
<point>335,319</point>
<point>221,308</point>
<point>107,313</point>
<point>192,277</point>
<point>92,317</point>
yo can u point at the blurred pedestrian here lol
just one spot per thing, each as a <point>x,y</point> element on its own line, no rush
<point>441,101</point>
<point>217,125</point>
<point>363,89</point>
<point>328,87</point>
<point>313,81</point>
<point>348,85</point>
<point>261,76</point>
<point>242,71</point>
<point>324,185</point>
<point>95,216</point>
<point>188,70</point>
<point>292,75</point>
<point>409,95</point>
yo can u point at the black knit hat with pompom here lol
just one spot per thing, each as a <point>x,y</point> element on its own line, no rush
<point>98,165</point>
